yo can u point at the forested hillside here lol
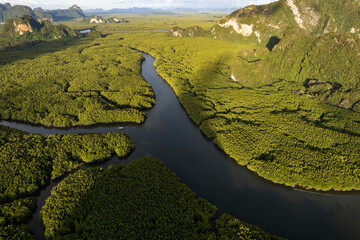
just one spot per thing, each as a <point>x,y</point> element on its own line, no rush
<point>61,14</point>
<point>26,28</point>
<point>10,12</point>
<point>257,24</point>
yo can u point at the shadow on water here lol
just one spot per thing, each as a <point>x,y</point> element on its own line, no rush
<point>169,135</point>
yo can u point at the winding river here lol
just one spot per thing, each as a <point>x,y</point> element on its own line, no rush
<point>169,135</point>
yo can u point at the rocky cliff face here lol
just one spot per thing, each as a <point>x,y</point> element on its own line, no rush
<point>99,19</point>
<point>21,25</point>
<point>76,7</point>
<point>41,15</point>
<point>257,24</point>
<point>10,12</point>
<point>28,28</point>
<point>194,31</point>
<point>65,14</point>
<point>21,28</point>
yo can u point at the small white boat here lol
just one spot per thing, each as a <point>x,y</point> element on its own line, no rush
<point>121,128</point>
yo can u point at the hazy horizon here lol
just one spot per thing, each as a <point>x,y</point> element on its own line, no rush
<point>159,4</point>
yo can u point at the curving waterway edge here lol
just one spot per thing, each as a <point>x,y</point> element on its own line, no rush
<point>169,135</point>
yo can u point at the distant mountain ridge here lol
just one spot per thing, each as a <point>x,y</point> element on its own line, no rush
<point>156,10</point>
<point>120,10</point>
<point>10,12</point>
<point>63,14</point>
<point>260,23</point>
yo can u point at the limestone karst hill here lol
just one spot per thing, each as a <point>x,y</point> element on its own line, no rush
<point>27,28</point>
<point>257,24</point>
<point>10,12</point>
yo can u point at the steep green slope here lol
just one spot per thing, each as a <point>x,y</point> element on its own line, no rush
<point>323,67</point>
<point>9,12</point>
<point>257,24</point>
<point>63,14</point>
<point>27,28</point>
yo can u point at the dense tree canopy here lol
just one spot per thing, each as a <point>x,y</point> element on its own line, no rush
<point>231,228</point>
<point>141,200</point>
<point>27,161</point>
<point>274,122</point>
<point>74,82</point>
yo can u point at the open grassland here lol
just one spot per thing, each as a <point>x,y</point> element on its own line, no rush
<point>282,135</point>
<point>73,82</point>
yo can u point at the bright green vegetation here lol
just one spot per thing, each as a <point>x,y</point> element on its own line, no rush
<point>27,162</point>
<point>270,20</point>
<point>269,124</point>
<point>26,28</point>
<point>74,82</point>
<point>230,228</point>
<point>324,67</point>
<point>267,20</point>
<point>249,70</point>
<point>141,200</point>
<point>70,150</point>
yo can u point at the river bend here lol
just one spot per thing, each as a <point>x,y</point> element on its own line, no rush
<point>169,135</point>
